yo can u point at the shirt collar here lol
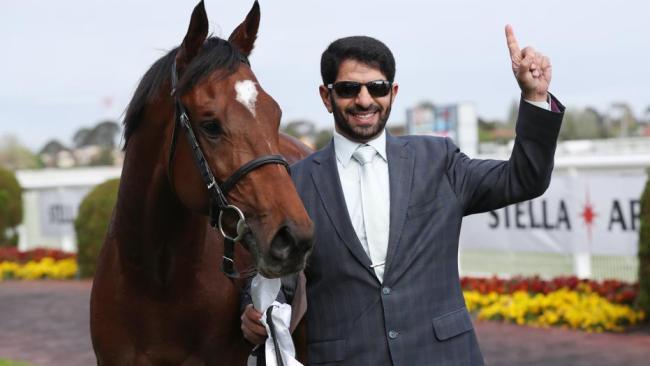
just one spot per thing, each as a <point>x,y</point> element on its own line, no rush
<point>344,148</point>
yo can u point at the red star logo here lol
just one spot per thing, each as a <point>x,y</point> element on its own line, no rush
<point>588,214</point>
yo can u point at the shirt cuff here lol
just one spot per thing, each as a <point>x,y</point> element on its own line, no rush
<point>544,105</point>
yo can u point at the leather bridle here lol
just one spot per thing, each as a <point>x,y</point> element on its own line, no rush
<point>219,206</point>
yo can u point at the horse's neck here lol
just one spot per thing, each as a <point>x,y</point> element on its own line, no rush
<point>150,226</point>
<point>293,149</point>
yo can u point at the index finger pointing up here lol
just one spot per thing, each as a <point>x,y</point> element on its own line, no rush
<point>513,45</point>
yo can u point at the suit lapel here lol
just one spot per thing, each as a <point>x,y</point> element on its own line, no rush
<point>400,171</point>
<point>325,177</point>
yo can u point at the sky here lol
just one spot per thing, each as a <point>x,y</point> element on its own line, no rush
<point>69,64</point>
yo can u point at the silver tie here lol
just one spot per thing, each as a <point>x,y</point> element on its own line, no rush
<point>375,214</point>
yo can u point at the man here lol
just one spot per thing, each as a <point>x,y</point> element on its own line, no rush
<point>382,282</point>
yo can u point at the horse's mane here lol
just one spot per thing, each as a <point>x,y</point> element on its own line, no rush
<point>215,54</point>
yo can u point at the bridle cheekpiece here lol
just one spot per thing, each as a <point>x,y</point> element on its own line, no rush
<point>219,206</point>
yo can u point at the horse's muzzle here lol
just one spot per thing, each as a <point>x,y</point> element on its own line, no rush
<point>287,251</point>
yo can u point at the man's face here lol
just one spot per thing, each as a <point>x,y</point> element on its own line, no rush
<point>362,117</point>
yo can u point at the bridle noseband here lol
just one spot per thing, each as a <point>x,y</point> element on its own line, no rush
<point>219,206</point>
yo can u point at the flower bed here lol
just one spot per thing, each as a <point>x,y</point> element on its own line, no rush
<point>37,264</point>
<point>614,291</point>
<point>11,254</point>
<point>565,301</point>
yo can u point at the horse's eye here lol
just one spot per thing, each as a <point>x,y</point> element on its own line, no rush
<point>212,128</point>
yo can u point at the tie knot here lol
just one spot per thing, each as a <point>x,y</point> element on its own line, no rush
<point>364,154</point>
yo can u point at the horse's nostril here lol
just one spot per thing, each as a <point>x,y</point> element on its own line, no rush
<point>281,244</point>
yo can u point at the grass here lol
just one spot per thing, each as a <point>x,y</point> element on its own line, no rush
<point>4,362</point>
<point>486,262</point>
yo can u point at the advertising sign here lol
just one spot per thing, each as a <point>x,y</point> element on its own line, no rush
<point>58,210</point>
<point>597,214</point>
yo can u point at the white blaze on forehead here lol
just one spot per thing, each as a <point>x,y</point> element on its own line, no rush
<point>247,94</point>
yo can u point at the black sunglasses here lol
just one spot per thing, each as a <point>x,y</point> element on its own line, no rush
<point>350,89</point>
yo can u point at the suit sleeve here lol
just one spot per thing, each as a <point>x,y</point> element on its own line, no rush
<point>484,185</point>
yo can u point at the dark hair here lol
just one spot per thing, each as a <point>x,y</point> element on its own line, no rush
<point>215,54</point>
<point>360,48</point>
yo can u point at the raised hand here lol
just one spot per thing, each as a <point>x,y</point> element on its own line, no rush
<point>531,68</point>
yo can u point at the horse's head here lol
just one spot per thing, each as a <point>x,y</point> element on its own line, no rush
<point>235,122</point>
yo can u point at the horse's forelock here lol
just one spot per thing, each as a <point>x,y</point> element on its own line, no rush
<point>216,54</point>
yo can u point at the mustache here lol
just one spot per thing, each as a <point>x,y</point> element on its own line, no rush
<point>359,109</point>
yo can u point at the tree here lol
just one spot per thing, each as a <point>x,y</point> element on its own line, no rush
<point>323,137</point>
<point>92,222</point>
<point>11,207</point>
<point>513,113</point>
<point>582,124</point>
<point>80,137</point>
<point>644,251</point>
<point>307,132</point>
<point>53,147</point>
<point>14,155</point>
<point>54,154</point>
<point>597,123</point>
<point>300,128</point>
<point>104,134</point>
<point>622,122</point>
<point>570,125</point>
<point>105,157</point>
<point>485,130</point>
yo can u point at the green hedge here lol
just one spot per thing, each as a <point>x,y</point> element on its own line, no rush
<point>644,250</point>
<point>11,206</point>
<point>91,224</point>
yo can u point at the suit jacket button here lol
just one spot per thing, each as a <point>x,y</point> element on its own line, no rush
<point>393,334</point>
<point>385,290</point>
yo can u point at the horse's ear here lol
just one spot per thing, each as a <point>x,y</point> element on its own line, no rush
<point>243,37</point>
<point>193,41</point>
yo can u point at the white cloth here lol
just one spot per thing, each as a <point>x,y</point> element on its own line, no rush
<point>281,319</point>
<point>263,292</point>
<point>350,176</point>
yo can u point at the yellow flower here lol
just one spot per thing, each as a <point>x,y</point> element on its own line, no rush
<point>582,309</point>
<point>45,268</point>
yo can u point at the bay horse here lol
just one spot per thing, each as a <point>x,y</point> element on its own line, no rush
<point>201,147</point>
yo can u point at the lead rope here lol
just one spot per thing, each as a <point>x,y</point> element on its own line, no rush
<point>269,321</point>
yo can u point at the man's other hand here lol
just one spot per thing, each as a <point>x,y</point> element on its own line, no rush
<point>253,329</point>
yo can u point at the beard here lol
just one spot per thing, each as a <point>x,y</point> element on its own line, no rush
<point>360,134</point>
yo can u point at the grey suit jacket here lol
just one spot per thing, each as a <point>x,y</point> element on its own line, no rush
<point>418,315</point>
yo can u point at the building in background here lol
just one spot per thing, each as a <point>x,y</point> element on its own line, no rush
<point>458,121</point>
